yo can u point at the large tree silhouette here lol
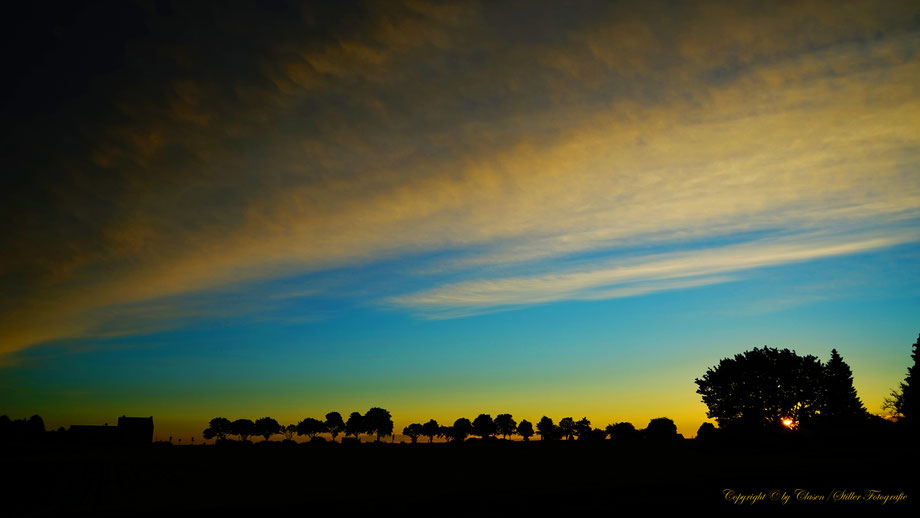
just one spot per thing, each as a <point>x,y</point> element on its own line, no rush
<point>903,402</point>
<point>840,404</point>
<point>762,388</point>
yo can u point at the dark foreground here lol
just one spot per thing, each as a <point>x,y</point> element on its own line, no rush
<point>481,479</point>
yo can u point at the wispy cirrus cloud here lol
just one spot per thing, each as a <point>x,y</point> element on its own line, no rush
<point>631,276</point>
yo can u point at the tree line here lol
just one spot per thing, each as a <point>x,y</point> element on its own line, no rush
<point>376,422</point>
<point>504,425</point>
<point>759,390</point>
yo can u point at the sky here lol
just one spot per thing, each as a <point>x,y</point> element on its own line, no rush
<point>450,208</point>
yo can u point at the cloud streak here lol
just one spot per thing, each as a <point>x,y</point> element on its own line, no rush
<point>636,275</point>
<point>335,139</point>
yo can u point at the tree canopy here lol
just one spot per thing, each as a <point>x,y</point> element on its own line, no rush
<point>266,427</point>
<point>334,424</point>
<point>546,429</point>
<point>311,427</point>
<point>379,422</point>
<point>244,428</point>
<point>505,425</point>
<point>762,388</point>
<point>218,427</point>
<point>484,426</point>
<point>461,429</point>
<point>413,431</point>
<point>355,425</point>
<point>525,429</point>
<point>431,429</point>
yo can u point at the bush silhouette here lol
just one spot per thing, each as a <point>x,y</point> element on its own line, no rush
<point>660,428</point>
<point>622,431</point>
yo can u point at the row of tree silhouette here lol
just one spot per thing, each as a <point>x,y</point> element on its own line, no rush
<point>504,425</point>
<point>376,421</point>
<point>760,389</point>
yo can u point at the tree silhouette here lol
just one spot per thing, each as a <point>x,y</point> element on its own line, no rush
<point>446,432</point>
<point>840,404</point>
<point>431,429</point>
<point>525,429</point>
<point>243,428</point>
<point>461,429</point>
<point>355,425</point>
<point>219,427</point>
<point>413,431</point>
<point>484,426</point>
<point>334,424</point>
<point>289,432</point>
<point>622,431</point>
<point>378,421</point>
<point>583,428</point>
<point>762,387</point>
<point>660,428</point>
<point>311,427</point>
<point>904,402</point>
<point>567,428</point>
<point>266,427</point>
<point>546,429</point>
<point>505,425</point>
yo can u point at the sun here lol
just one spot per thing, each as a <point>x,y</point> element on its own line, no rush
<point>788,422</point>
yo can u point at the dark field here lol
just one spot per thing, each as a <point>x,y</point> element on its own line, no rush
<point>474,478</point>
